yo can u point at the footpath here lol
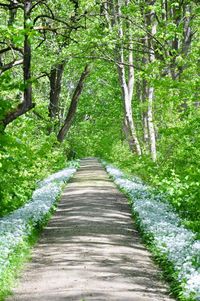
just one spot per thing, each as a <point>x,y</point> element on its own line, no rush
<point>90,249</point>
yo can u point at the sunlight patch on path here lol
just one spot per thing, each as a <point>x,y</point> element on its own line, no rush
<point>90,249</point>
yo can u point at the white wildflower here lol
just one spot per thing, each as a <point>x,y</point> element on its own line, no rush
<point>170,237</point>
<point>18,225</point>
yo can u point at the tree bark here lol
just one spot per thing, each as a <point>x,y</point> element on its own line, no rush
<point>143,97</point>
<point>144,113</point>
<point>55,89</point>
<point>127,87</point>
<point>150,21</point>
<point>10,65</point>
<point>73,105</point>
<point>27,104</point>
<point>151,129</point>
<point>129,138</point>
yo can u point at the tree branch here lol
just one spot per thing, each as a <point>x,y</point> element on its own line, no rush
<point>10,65</point>
<point>21,109</point>
<point>11,48</point>
<point>11,6</point>
<point>52,18</point>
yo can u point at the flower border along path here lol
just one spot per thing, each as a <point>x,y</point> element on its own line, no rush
<point>170,239</point>
<point>19,225</point>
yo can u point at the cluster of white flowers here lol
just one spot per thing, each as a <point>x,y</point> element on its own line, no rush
<point>171,239</point>
<point>19,224</point>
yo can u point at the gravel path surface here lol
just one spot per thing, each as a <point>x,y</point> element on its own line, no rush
<point>90,249</point>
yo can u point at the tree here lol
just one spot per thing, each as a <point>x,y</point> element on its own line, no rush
<point>51,25</point>
<point>126,72</point>
<point>151,26</point>
<point>73,105</point>
<point>55,79</point>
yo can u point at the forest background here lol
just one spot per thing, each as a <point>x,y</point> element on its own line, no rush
<point>111,79</point>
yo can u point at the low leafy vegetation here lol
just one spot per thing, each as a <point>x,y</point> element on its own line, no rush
<point>27,155</point>
<point>176,174</point>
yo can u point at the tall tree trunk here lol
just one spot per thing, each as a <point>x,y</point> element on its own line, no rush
<point>187,35</point>
<point>144,113</point>
<point>129,138</point>
<point>73,105</point>
<point>152,26</point>
<point>152,135</point>
<point>55,89</point>
<point>128,107</point>
<point>113,17</point>
<point>127,87</point>
<point>27,104</point>
<point>187,31</point>
<point>143,97</point>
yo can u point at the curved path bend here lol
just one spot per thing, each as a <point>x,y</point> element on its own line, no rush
<point>90,249</point>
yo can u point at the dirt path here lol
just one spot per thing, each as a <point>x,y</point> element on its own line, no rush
<point>90,249</point>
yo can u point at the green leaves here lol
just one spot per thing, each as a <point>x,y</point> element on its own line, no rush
<point>30,149</point>
<point>24,161</point>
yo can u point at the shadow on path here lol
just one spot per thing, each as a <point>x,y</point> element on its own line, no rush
<point>90,249</point>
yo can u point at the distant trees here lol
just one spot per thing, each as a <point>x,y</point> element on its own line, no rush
<point>147,41</point>
<point>152,40</point>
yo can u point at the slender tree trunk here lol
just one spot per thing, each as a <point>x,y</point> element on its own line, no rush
<point>144,113</point>
<point>187,35</point>
<point>144,94</point>
<point>145,129</point>
<point>152,135</point>
<point>187,31</point>
<point>127,87</point>
<point>151,24</point>
<point>73,105</point>
<point>128,109</point>
<point>113,17</point>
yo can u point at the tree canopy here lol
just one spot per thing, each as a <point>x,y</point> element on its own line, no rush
<point>112,79</point>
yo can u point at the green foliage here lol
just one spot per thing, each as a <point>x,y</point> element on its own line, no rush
<point>29,150</point>
<point>27,155</point>
<point>176,172</point>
